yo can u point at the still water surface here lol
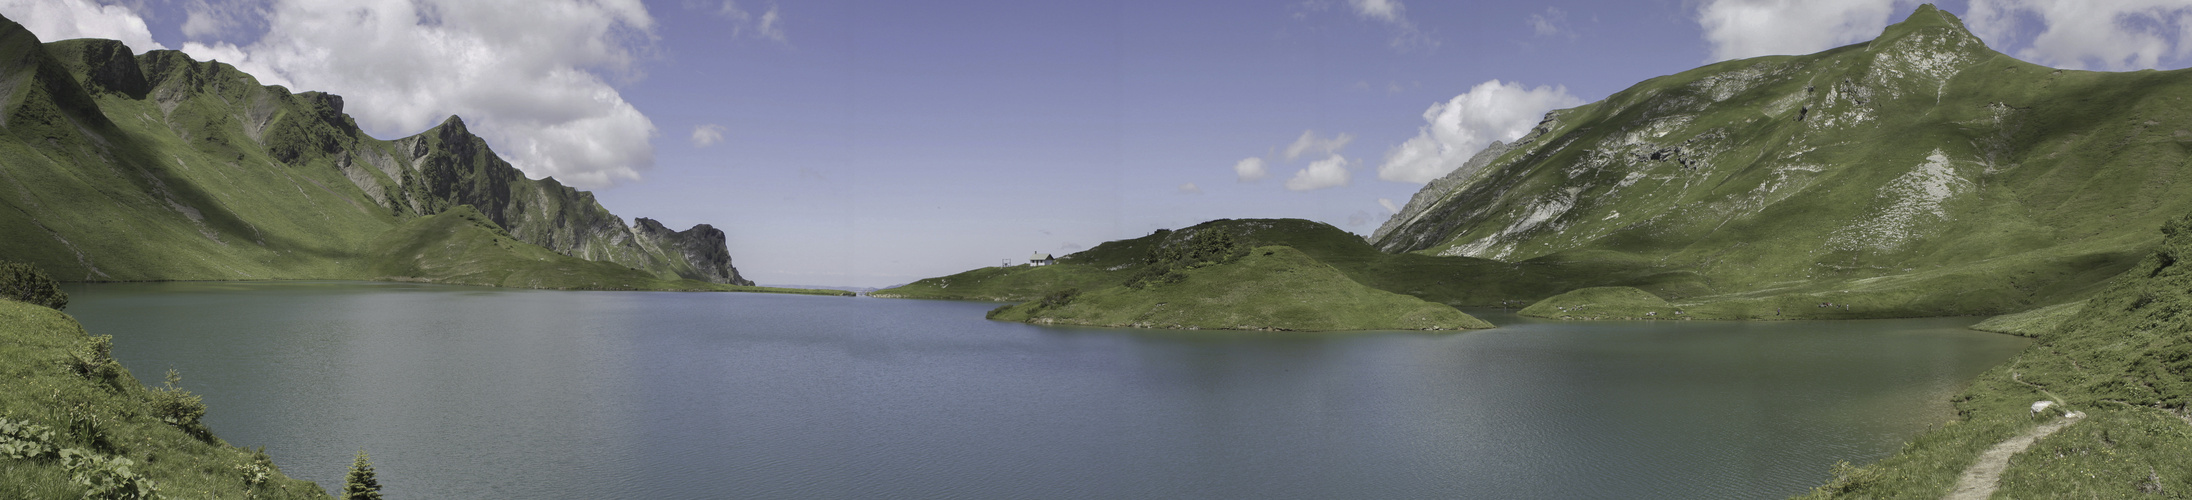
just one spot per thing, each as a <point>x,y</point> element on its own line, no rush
<point>463,392</point>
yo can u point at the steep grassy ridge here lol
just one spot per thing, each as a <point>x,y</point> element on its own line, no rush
<point>1270,288</point>
<point>116,166</point>
<point>88,421</point>
<point>1919,174</point>
<point>2124,358</point>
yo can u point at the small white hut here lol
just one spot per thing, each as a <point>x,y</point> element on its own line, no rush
<point>1041,259</point>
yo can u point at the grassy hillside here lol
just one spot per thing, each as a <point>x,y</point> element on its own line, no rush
<point>2124,358</point>
<point>1604,302</point>
<point>1454,281</point>
<point>1919,174</point>
<point>71,417</point>
<point>116,166</point>
<point>1269,288</point>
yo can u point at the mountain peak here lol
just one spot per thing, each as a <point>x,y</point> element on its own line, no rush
<point>1928,20</point>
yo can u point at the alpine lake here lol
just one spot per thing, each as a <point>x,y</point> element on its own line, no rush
<point>465,392</point>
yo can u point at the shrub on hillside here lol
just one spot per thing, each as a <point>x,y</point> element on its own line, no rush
<point>1208,247</point>
<point>25,283</point>
<point>180,408</point>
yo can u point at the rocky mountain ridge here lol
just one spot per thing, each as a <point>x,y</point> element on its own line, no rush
<point>174,142</point>
<point>1921,169</point>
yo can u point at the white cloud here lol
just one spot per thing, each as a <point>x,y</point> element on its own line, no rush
<point>1328,172</point>
<point>1250,169</point>
<point>1750,28</point>
<point>1310,142</point>
<point>769,25</point>
<point>525,74</point>
<point>707,135</point>
<point>1553,22</point>
<point>1190,188</point>
<point>214,19</point>
<point>2101,34</point>
<point>54,20</point>
<point>1382,10</point>
<point>1456,129</point>
<point>1388,204</point>
<point>1392,13</point>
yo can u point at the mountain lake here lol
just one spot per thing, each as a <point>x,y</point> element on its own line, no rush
<point>464,392</point>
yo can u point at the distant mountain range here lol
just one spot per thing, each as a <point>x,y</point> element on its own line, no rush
<point>116,166</point>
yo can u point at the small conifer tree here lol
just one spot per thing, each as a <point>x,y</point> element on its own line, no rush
<point>361,485</point>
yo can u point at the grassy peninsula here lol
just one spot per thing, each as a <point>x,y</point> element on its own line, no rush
<point>1267,288</point>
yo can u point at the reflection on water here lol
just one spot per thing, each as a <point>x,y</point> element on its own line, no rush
<point>489,393</point>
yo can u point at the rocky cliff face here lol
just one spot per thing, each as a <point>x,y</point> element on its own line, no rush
<point>702,245</point>
<point>1917,163</point>
<point>202,144</point>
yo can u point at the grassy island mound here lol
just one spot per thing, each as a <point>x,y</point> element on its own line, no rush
<point>1267,288</point>
<point>1604,302</point>
<point>75,424</point>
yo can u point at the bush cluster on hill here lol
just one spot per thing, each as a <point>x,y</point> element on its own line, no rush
<point>25,283</point>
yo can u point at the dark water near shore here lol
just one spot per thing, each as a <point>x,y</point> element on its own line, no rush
<point>490,393</point>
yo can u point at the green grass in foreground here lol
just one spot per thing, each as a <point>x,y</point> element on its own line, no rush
<point>96,420</point>
<point>1270,288</point>
<point>2123,357</point>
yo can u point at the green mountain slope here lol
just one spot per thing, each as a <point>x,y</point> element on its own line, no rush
<point>2123,358</point>
<point>1454,281</point>
<point>1270,288</point>
<point>156,166</point>
<point>1919,174</point>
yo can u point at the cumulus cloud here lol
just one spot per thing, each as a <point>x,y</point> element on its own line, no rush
<point>1749,28</point>
<point>55,20</point>
<point>217,19</point>
<point>707,135</point>
<point>1190,188</point>
<point>1388,204</point>
<point>1325,173</point>
<point>1250,169</point>
<point>1309,142</point>
<point>1456,129</point>
<point>525,74</point>
<point>2101,34</point>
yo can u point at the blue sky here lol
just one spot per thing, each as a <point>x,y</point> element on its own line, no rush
<point>868,143</point>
